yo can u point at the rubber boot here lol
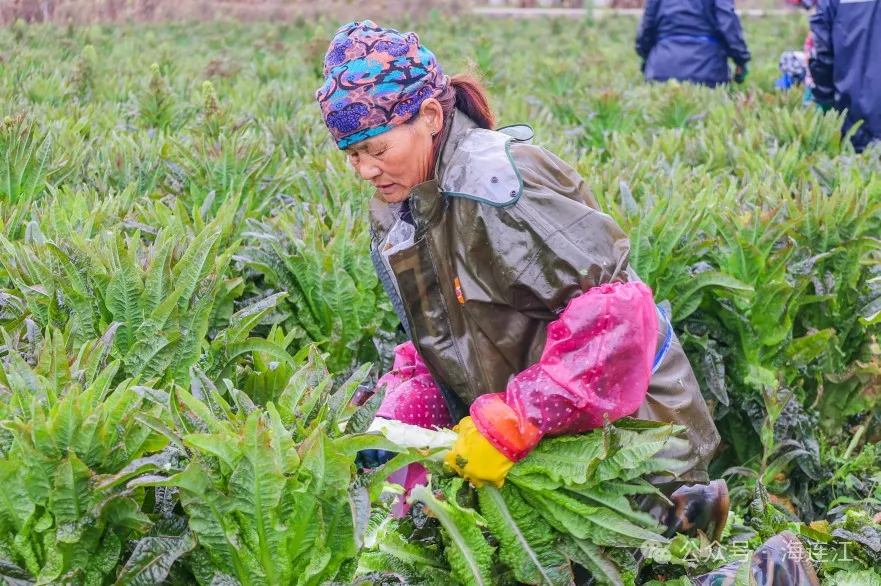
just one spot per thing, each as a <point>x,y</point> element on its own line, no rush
<point>781,561</point>
<point>699,507</point>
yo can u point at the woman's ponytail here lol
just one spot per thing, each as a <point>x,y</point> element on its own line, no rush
<point>472,100</point>
<point>466,94</point>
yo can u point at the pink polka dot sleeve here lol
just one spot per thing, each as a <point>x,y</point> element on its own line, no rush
<point>597,361</point>
<point>411,395</point>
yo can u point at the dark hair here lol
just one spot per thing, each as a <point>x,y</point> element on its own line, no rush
<point>467,94</point>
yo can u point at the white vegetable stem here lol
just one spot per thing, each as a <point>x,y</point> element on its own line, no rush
<point>413,436</point>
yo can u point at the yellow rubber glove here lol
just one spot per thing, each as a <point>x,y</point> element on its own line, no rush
<point>475,459</point>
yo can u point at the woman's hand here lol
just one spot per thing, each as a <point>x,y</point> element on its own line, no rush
<point>475,459</point>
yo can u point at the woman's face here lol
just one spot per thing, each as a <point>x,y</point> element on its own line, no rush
<point>399,159</point>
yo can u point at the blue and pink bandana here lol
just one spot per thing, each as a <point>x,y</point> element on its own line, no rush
<point>375,79</point>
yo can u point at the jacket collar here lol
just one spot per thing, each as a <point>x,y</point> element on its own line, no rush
<point>459,129</point>
<point>426,200</point>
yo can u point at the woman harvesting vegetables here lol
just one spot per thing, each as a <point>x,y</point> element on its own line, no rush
<point>525,317</point>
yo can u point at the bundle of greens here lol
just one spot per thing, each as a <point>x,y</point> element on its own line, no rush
<point>572,503</point>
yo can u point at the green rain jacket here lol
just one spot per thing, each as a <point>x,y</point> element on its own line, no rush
<point>506,234</point>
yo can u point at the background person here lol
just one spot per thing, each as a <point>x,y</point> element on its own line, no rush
<point>846,64</point>
<point>692,40</point>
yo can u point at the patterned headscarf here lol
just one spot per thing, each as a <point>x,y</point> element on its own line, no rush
<point>375,79</point>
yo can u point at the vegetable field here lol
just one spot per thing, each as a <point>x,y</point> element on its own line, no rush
<point>187,307</point>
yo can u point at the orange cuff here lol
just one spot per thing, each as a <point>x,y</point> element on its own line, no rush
<point>499,424</point>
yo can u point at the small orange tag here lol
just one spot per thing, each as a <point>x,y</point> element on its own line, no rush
<point>459,291</point>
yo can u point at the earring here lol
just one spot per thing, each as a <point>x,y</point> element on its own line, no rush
<point>433,133</point>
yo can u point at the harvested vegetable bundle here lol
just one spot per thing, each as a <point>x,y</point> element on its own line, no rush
<point>571,501</point>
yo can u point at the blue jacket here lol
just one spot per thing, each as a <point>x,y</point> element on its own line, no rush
<point>690,40</point>
<point>846,63</point>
